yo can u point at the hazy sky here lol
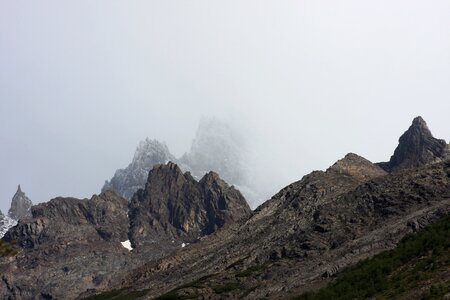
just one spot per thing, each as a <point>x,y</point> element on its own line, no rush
<point>82,82</point>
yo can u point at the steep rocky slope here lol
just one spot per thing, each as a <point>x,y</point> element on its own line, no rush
<point>305,234</point>
<point>174,207</point>
<point>128,181</point>
<point>417,147</point>
<point>417,268</point>
<point>67,246</point>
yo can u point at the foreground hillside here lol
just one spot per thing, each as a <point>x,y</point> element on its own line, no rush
<point>419,267</point>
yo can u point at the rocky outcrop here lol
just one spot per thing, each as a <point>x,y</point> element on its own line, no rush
<point>69,220</point>
<point>417,147</point>
<point>66,247</point>
<point>175,208</point>
<point>19,209</point>
<point>126,182</point>
<point>20,206</point>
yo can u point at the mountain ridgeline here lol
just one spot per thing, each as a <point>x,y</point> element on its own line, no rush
<point>175,207</point>
<point>196,237</point>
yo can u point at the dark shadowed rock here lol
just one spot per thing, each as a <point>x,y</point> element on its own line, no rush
<point>417,147</point>
<point>175,207</point>
<point>127,181</point>
<point>20,206</point>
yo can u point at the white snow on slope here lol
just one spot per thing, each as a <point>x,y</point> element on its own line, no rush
<point>5,224</point>
<point>127,245</point>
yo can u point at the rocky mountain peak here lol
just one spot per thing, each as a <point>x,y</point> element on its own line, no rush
<point>20,205</point>
<point>357,167</point>
<point>419,121</point>
<point>417,147</point>
<point>175,207</point>
<point>126,182</point>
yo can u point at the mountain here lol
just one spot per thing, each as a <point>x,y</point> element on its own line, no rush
<point>20,206</point>
<point>126,182</point>
<point>198,239</point>
<point>303,236</point>
<point>19,209</point>
<point>69,246</point>
<point>175,207</point>
<point>216,147</point>
<point>417,147</point>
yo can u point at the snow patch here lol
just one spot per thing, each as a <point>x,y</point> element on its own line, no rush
<point>127,245</point>
<point>184,245</point>
<point>5,224</point>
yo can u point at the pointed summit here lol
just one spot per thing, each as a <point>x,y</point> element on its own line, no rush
<point>20,205</point>
<point>176,207</point>
<point>357,167</point>
<point>417,147</point>
<point>126,182</point>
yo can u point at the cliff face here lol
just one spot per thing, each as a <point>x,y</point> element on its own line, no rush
<point>175,207</point>
<point>417,147</point>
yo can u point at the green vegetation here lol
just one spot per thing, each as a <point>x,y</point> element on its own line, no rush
<point>122,294</point>
<point>418,260</point>
<point>6,249</point>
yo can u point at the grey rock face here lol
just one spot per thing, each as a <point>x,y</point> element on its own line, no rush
<point>174,207</point>
<point>68,219</point>
<point>417,147</point>
<point>20,206</point>
<point>127,181</point>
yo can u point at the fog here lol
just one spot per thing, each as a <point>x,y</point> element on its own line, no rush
<point>82,82</point>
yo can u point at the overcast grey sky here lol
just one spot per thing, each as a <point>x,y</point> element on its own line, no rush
<point>81,82</point>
